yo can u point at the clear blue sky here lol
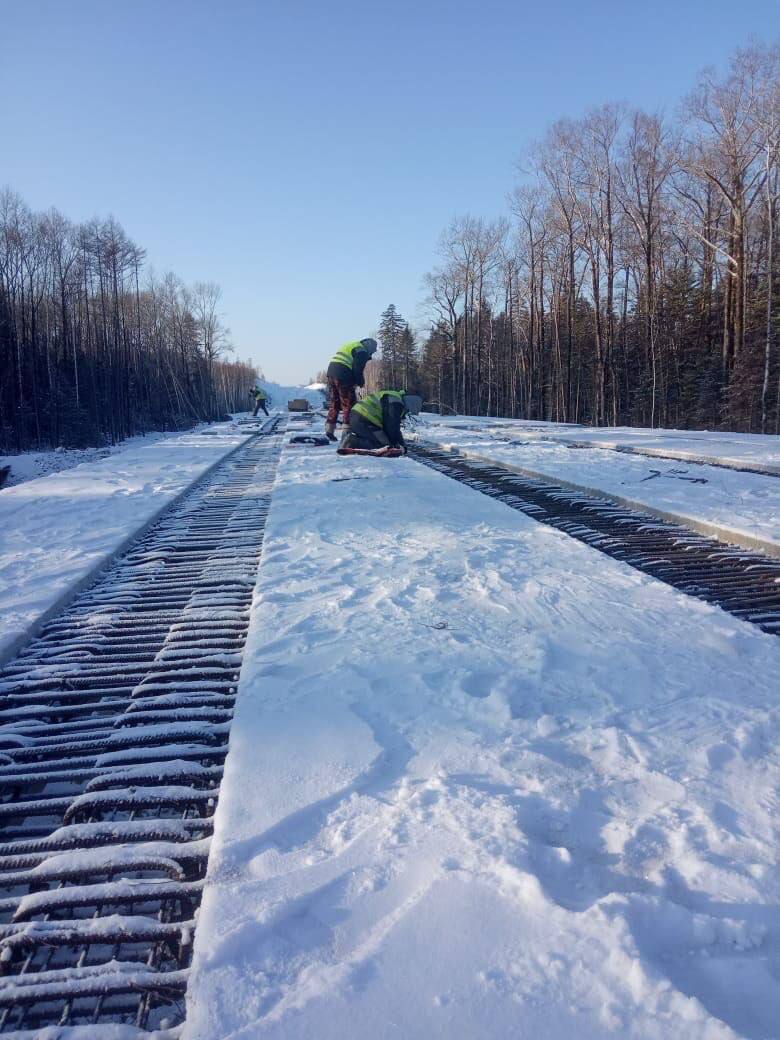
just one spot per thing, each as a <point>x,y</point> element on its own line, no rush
<point>306,155</point>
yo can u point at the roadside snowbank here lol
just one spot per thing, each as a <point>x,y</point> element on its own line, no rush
<point>484,782</point>
<point>57,531</point>
<point>737,506</point>
<point>33,464</point>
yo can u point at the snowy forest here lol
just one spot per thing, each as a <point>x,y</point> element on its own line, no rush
<point>633,280</point>
<point>94,348</point>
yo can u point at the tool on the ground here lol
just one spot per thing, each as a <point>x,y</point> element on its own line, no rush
<point>675,473</point>
<point>309,438</point>
<point>378,453</point>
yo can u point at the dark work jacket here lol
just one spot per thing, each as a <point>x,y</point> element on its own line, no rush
<point>350,376</point>
<point>393,413</point>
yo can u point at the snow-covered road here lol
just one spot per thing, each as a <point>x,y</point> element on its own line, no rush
<point>737,506</point>
<point>58,530</point>
<point>485,783</point>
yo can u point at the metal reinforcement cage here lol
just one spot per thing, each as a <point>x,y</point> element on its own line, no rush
<point>113,732</point>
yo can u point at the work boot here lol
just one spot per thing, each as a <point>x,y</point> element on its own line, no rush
<point>330,431</point>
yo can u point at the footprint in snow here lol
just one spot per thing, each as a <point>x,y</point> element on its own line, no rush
<point>479,683</point>
<point>719,755</point>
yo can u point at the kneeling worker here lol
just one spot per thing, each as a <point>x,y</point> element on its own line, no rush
<point>375,422</point>
<point>345,372</point>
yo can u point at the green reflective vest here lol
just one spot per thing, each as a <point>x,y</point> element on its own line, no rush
<point>259,392</point>
<point>345,355</point>
<point>370,407</point>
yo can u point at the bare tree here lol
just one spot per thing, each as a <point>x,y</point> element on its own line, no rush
<point>638,284</point>
<point>89,353</point>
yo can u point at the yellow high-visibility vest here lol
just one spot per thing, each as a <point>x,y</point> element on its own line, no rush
<point>345,355</point>
<point>370,407</point>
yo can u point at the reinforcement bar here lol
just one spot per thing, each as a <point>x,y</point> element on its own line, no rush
<point>114,725</point>
<point>746,584</point>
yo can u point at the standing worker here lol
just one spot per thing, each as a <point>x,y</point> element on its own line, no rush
<point>261,399</point>
<point>375,421</point>
<point>345,372</point>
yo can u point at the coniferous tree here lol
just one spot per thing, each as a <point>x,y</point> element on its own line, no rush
<point>391,326</point>
<point>407,359</point>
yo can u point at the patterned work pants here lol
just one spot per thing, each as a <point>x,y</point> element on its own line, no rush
<point>340,398</point>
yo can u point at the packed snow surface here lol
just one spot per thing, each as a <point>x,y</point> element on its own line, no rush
<point>737,505</point>
<point>32,464</point>
<point>56,530</point>
<point>484,782</point>
<point>727,448</point>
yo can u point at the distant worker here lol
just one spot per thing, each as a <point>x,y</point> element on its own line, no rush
<point>375,421</point>
<point>345,372</point>
<point>261,399</point>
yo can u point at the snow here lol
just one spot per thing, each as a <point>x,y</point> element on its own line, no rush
<point>30,465</point>
<point>727,448</point>
<point>156,751</point>
<point>104,1031</point>
<point>94,927</point>
<point>158,771</point>
<point>484,782</point>
<point>97,832</point>
<point>97,980</point>
<point>140,797</point>
<point>280,395</point>
<point>58,531</point>
<point>208,734</point>
<point>736,506</point>
<point>113,892</point>
<point>81,862</point>
<point>83,973</point>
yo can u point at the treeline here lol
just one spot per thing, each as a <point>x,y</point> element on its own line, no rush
<point>95,349</point>
<point>636,279</point>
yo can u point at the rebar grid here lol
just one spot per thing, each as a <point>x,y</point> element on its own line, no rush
<point>113,732</point>
<point>746,584</point>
